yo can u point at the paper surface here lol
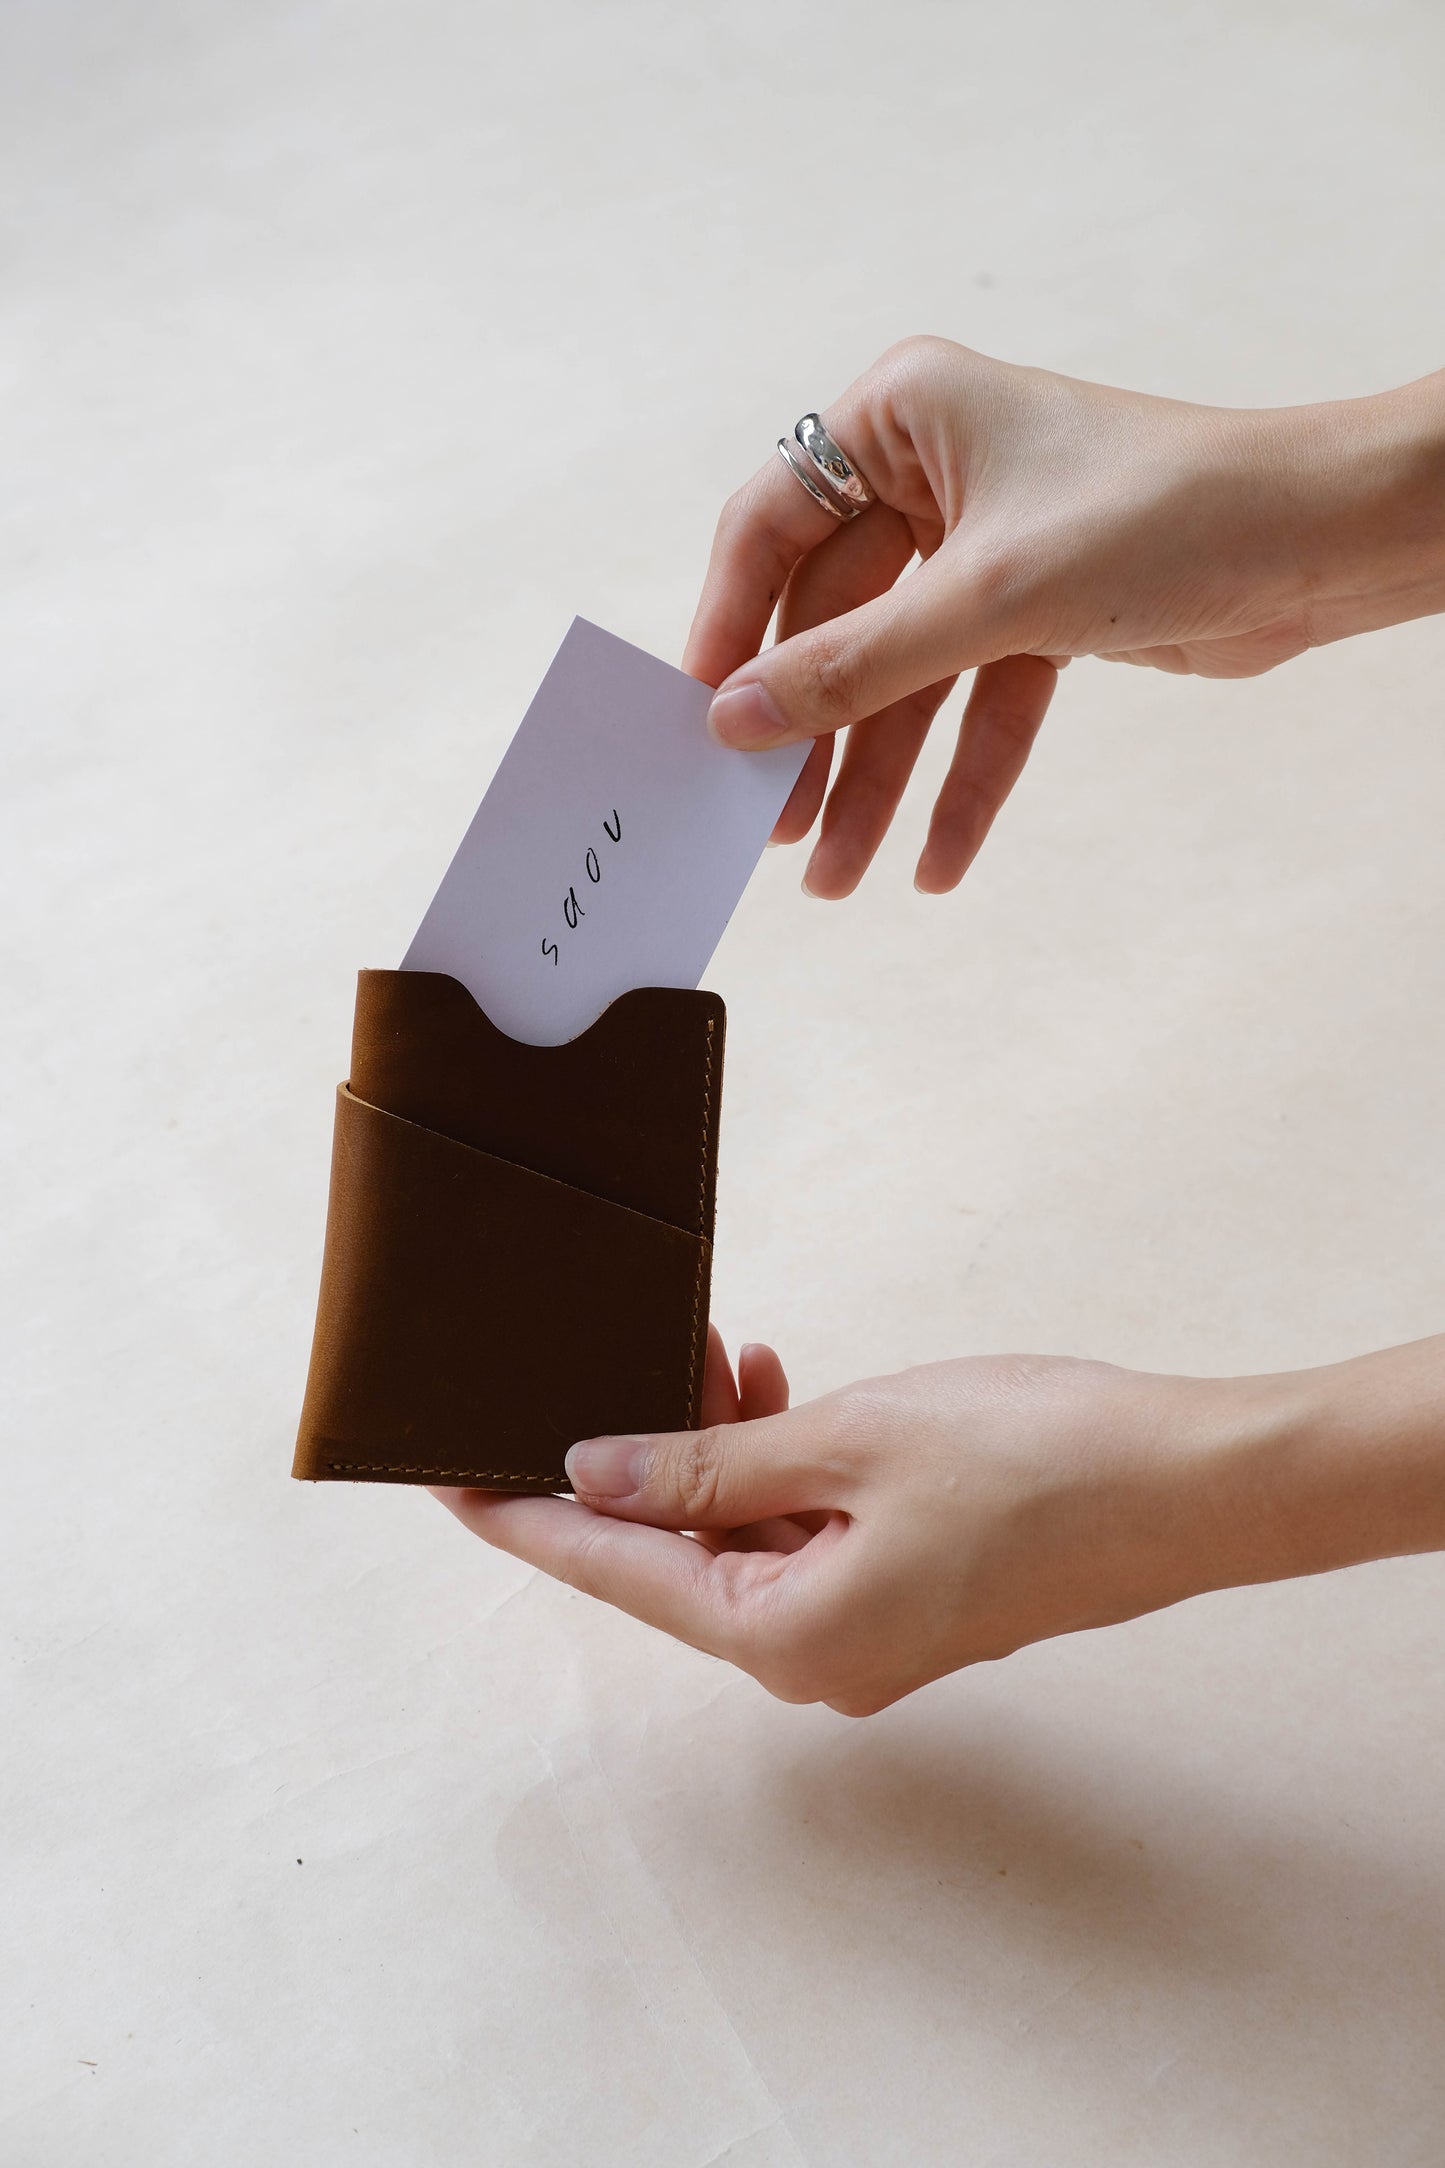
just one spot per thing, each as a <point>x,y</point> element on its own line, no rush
<point>611,848</point>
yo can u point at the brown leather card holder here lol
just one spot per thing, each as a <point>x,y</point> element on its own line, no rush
<point>518,1238</point>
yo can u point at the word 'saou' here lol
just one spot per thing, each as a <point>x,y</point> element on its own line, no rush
<point>572,910</point>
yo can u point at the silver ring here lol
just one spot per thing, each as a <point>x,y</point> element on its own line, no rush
<point>837,468</point>
<point>793,459</point>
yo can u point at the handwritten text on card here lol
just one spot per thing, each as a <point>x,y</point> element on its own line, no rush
<point>572,910</point>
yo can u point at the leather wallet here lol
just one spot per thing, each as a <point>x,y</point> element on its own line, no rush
<point>518,1238</point>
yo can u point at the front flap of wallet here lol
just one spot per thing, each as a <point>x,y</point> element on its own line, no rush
<point>518,1238</point>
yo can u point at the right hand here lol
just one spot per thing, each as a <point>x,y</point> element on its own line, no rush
<point>1054,519</point>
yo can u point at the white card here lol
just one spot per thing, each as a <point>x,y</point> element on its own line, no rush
<point>610,850</point>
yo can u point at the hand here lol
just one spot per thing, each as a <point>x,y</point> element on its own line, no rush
<point>1054,519</point>
<point>857,1547</point>
<point>882,1536</point>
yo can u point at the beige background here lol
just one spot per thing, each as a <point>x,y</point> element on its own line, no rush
<point>349,350</point>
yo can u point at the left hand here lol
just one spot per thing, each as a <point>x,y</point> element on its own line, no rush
<point>861,1545</point>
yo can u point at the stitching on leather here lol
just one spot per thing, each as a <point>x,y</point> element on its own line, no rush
<point>395,1468</point>
<point>701,1218</point>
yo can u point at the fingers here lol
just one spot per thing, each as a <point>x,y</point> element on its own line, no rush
<point>762,1382</point>
<point>718,1478</point>
<point>801,810</point>
<point>856,563</point>
<point>665,1580</point>
<point>765,528</point>
<point>763,1390</point>
<point>1005,709</point>
<point>772,522</point>
<point>853,565</point>
<point>731,1593</point>
<point>652,1574</point>
<point>761,1387</point>
<point>879,756</point>
<point>719,1392</point>
<point>924,629</point>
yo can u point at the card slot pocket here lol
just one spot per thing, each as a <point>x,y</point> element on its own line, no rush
<point>476,1317</point>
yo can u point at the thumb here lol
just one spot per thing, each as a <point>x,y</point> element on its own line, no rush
<point>722,1477</point>
<point>926,628</point>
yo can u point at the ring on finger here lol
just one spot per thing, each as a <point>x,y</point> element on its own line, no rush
<point>833,462</point>
<point>825,470</point>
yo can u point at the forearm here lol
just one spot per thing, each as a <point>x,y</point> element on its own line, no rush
<point>1315,1469</point>
<point>1361,483</point>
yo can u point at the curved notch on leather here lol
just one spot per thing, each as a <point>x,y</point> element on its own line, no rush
<point>628,1110</point>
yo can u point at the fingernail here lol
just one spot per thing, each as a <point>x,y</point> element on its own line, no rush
<point>607,1467</point>
<point>745,716</point>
